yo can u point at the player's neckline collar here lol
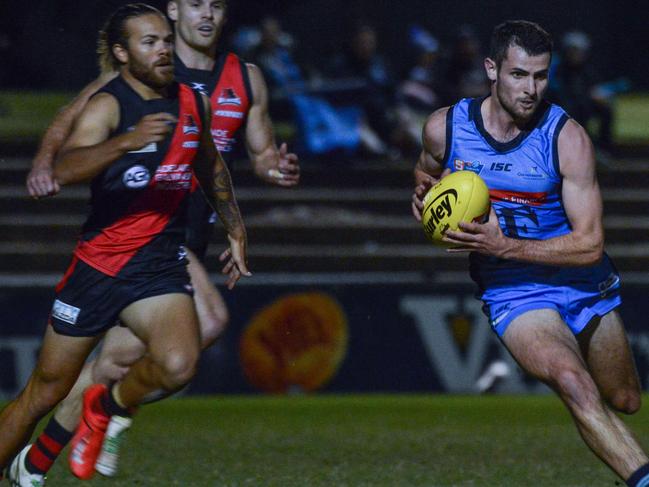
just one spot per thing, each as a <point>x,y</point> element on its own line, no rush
<point>172,91</point>
<point>476,115</point>
<point>216,70</point>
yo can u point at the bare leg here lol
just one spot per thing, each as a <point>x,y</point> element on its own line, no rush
<point>210,307</point>
<point>212,317</point>
<point>68,412</point>
<point>169,327</point>
<point>119,350</point>
<point>605,346</point>
<point>60,361</point>
<point>544,347</point>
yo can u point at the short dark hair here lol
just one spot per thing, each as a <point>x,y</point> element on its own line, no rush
<point>530,36</point>
<point>114,32</point>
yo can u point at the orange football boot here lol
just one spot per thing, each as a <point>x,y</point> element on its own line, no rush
<point>87,440</point>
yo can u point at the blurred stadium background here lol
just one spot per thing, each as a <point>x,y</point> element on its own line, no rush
<point>348,297</point>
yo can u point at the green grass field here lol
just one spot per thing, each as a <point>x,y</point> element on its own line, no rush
<point>356,441</point>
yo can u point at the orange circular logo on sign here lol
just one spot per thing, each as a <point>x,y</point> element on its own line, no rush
<point>298,342</point>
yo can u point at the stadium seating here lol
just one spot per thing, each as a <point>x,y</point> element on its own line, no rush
<point>344,218</point>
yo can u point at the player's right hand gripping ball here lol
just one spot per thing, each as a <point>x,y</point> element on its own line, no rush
<point>461,196</point>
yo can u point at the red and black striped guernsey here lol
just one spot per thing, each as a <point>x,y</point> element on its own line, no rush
<point>138,204</point>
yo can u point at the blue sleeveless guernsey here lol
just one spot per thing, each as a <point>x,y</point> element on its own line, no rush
<point>525,189</point>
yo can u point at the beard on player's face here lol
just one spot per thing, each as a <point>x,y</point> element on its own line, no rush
<point>156,74</point>
<point>520,107</point>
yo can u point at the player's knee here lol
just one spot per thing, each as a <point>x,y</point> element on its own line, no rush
<point>576,388</point>
<point>213,325</point>
<point>46,391</point>
<point>179,367</point>
<point>106,370</point>
<point>627,401</point>
<point>112,365</point>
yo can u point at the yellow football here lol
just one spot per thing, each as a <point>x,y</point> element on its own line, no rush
<point>462,196</point>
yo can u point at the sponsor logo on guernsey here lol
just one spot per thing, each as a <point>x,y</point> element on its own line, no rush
<point>189,125</point>
<point>229,97</point>
<point>191,144</point>
<point>532,199</point>
<point>173,176</point>
<point>136,177</point>
<point>222,140</point>
<point>202,87</point>
<point>501,166</point>
<point>532,173</point>
<point>65,312</point>
<point>228,114</point>
<point>461,165</point>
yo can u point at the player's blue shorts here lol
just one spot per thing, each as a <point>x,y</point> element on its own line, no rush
<point>577,301</point>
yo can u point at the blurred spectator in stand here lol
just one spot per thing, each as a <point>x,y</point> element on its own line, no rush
<point>573,85</point>
<point>274,56</point>
<point>417,95</point>
<point>465,75</point>
<point>323,129</point>
<point>361,60</point>
<point>245,40</point>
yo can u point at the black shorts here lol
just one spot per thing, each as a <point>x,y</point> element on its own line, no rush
<point>88,302</point>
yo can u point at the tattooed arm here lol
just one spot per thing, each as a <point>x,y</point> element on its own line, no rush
<point>214,177</point>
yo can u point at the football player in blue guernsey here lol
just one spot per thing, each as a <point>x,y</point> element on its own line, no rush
<point>549,291</point>
<point>239,111</point>
<point>143,141</point>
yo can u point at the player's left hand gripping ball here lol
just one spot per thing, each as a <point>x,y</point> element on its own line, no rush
<point>460,197</point>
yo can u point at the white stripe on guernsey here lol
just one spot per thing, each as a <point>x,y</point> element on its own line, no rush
<point>152,147</point>
<point>644,482</point>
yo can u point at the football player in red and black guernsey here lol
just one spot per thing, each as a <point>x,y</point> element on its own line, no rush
<point>239,111</point>
<point>144,142</point>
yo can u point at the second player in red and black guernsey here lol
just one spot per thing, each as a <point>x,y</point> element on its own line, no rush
<point>239,111</point>
<point>140,140</point>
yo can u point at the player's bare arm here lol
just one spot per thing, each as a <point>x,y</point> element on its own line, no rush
<point>40,180</point>
<point>89,150</point>
<point>274,166</point>
<point>582,201</point>
<point>428,169</point>
<point>214,177</point>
